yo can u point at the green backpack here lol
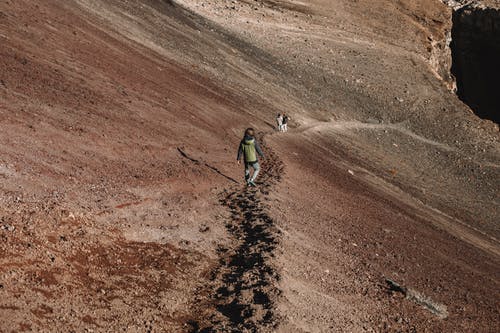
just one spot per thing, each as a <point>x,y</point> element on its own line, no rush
<point>249,152</point>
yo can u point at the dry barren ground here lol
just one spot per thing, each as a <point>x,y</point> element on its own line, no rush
<point>122,207</point>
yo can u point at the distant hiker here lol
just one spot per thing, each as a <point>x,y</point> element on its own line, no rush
<point>279,121</point>
<point>285,123</point>
<point>249,148</point>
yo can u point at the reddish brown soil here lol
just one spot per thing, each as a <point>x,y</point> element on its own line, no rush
<point>121,207</point>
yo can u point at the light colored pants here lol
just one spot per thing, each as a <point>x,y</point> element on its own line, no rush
<point>256,169</point>
<point>285,127</point>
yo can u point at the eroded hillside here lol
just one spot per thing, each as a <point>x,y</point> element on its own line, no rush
<point>123,208</point>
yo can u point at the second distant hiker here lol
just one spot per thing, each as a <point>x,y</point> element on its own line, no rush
<point>284,126</point>
<point>279,122</point>
<point>249,148</point>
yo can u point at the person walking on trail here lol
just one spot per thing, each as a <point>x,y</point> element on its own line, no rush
<point>249,148</point>
<point>279,121</point>
<point>285,123</point>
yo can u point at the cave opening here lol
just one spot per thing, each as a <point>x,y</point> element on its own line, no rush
<point>475,51</point>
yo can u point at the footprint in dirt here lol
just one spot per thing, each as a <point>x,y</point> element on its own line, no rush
<point>243,287</point>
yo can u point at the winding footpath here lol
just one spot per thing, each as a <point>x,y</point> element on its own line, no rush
<point>243,286</point>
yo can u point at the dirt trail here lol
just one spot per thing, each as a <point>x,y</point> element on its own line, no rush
<point>243,287</point>
<point>340,126</point>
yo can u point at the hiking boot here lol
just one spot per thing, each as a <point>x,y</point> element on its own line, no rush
<point>251,183</point>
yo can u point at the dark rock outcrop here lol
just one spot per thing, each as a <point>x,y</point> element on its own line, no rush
<point>476,58</point>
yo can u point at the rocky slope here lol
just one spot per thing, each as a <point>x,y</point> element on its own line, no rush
<point>121,202</point>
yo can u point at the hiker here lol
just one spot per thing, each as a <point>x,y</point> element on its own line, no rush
<point>284,125</point>
<point>249,148</point>
<point>279,121</point>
